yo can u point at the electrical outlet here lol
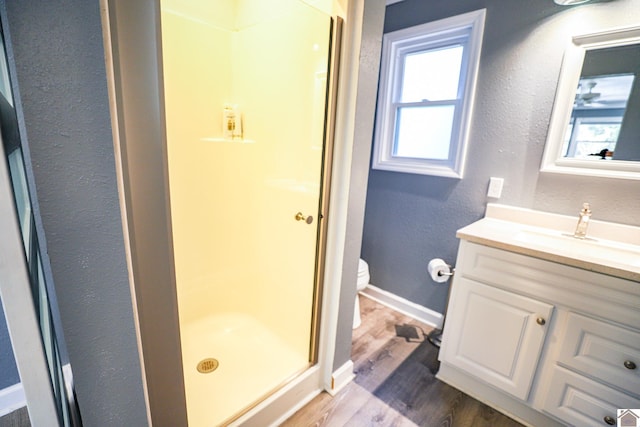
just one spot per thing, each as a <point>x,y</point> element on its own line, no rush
<point>495,187</point>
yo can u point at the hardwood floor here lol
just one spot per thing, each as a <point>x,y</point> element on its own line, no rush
<point>395,383</point>
<point>17,418</point>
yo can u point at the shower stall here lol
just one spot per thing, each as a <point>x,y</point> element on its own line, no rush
<point>245,86</point>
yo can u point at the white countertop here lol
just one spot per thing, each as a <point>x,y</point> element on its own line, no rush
<point>610,248</point>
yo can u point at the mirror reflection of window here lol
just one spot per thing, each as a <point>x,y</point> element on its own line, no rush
<point>598,112</point>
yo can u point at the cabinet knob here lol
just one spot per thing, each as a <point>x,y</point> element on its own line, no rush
<point>629,364</point>
<point>610,420</point>
<point>540,321</point>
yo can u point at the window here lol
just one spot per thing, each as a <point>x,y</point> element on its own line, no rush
<point>425,95</point>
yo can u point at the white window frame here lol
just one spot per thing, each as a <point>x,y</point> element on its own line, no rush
<point>466,29</point>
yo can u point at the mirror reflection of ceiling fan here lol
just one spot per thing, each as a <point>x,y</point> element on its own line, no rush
<point>603,91</point>
<point>586,95</point>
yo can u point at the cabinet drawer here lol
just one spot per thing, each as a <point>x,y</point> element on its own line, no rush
<point>610,297</point>
<point>579,401</point>
<point>604,351</point>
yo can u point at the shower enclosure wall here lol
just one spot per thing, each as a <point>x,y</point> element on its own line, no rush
<point>245,85</point>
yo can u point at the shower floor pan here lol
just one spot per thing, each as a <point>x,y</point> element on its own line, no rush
<point>252,361</point>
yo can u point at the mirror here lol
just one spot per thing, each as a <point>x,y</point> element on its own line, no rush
<point>595,124</point>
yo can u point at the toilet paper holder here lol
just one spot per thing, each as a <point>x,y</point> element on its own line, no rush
<point>440,272</point>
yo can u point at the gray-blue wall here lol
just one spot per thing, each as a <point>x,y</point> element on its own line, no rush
<point>8,370</point>
<point>410,219</point>
<point>58,54</point>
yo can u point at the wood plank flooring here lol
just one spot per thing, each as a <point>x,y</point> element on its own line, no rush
<point>17,418</point>
<point>395,383</point>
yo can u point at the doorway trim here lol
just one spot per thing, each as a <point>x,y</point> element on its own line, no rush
<point>133,58</point>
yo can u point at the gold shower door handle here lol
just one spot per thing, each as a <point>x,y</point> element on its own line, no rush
<point>300,217</point>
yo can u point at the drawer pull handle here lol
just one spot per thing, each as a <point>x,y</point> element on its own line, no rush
<point>629,364</point>
<point>540,321</point>
<point>610,420</point>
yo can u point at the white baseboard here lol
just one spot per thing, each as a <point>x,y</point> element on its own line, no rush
<point>341,377</point>
<point>11,399</point>
<point>416,311</point>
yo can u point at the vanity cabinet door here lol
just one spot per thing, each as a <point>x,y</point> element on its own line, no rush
<point>495,335</point>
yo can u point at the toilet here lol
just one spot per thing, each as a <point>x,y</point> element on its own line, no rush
<point>362,282</point>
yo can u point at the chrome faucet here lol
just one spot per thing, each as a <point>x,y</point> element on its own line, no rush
<point>583,222</point>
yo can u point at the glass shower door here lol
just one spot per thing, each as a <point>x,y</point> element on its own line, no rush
<point>245,98</point>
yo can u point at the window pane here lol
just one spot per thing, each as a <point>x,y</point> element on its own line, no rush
<point>432,75</point>
<point>424,132</point>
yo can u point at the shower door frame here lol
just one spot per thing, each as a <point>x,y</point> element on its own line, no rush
<point>131,32</point>
<point>335,51</point>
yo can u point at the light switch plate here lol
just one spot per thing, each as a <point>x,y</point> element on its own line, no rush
<point>495,187</point>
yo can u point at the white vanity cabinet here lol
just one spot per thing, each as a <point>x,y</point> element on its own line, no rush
<point>544,342</point>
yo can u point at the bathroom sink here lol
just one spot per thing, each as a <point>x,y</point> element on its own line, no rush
<point>609,248</point>
<point>587,248</point>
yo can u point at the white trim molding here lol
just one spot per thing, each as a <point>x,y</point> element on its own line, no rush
<point>12,398</point>
<point>404,306</point>
<point>341,378</point>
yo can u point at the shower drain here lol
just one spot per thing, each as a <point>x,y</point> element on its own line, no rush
<point>207,365</point>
